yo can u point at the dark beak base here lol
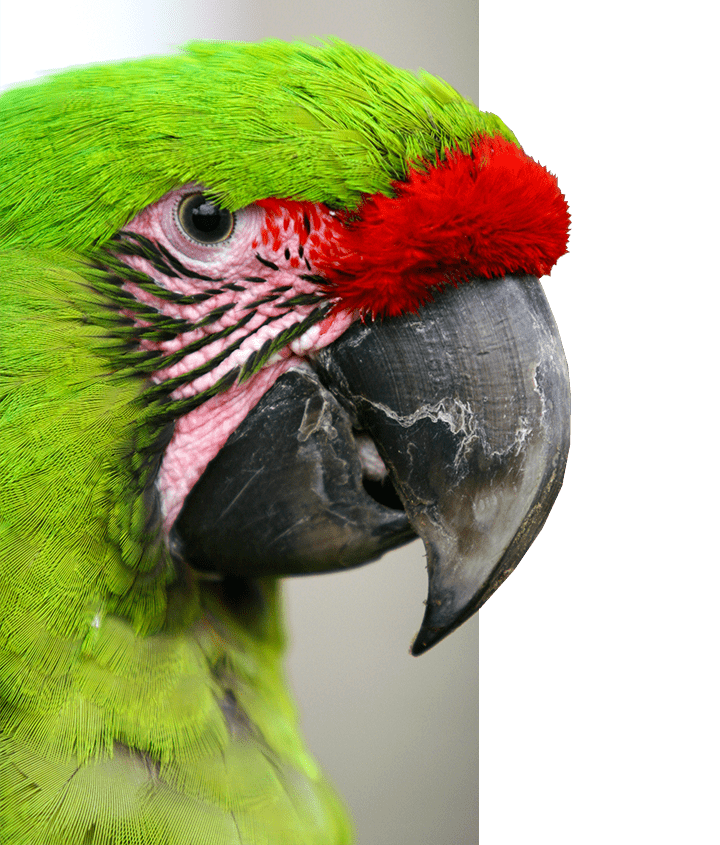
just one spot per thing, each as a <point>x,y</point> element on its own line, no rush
<point>468,405</point>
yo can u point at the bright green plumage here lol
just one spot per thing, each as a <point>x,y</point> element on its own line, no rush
<point>115,672</point>
<point>100,648</point>
<point>252,121</point>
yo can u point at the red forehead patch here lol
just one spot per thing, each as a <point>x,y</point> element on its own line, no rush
<point>487,213</point>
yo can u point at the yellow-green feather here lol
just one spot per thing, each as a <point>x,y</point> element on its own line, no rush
<point>111,677</point>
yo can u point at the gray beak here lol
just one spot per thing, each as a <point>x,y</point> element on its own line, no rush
<point>468,406</point>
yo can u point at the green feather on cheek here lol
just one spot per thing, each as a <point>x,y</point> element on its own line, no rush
<point>267,309</point>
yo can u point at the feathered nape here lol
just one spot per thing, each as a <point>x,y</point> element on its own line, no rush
<point>485,213</point>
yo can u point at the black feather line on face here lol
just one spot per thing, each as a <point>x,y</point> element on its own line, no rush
<point>172,411</point>
<point>119,315</point>
<point>265,261</point>
<point>146,466</point>
<point>314,278</point>
<point>114,274</point>
<point>271,297</point>
<point>132,243</point>
<point>214,315</point>
<point>304,299</point>
<point>258,359</point>
<point>252,365</point>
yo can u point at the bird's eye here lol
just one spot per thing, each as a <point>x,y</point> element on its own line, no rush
<point>203,221</point>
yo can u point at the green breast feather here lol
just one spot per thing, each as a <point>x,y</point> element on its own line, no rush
<point>119,684</point>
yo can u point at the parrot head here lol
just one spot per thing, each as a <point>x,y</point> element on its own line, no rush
<point>323,272</point>
<point>269,310</point>
<point>395,360</point>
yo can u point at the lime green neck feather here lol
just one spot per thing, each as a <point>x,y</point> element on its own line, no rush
<point>248,121</point>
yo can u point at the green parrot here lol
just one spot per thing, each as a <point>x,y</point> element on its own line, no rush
<point>267,309</point>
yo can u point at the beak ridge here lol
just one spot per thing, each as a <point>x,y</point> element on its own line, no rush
<point>468,402</point>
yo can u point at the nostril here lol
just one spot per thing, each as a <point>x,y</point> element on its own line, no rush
<point>375,476</point>
<point>383,492</point>
<point>372,464</point>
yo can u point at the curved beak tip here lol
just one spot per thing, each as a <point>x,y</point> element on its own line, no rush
<point>428,636</point>
<point>468,405</point>
<point>491,511</point>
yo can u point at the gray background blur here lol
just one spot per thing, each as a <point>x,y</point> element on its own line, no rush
<point>397,735</point>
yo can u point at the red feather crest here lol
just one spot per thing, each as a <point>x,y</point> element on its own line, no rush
<point>487,213</point>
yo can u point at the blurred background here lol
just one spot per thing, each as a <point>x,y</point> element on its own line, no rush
<point>598,695</point>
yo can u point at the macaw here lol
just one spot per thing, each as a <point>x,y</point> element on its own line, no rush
<point>267,309</point>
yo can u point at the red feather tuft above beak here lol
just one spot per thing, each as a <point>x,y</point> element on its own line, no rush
<point>487,213</point>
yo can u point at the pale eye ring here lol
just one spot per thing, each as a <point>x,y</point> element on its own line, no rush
<point>202,221</point>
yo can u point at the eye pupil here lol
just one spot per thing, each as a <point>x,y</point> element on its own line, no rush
<point>203,221</point>
<point>207,217</point>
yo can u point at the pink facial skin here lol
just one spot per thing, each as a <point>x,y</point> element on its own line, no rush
<point>287,250</point>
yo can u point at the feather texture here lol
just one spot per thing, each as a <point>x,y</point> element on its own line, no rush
<point>248,120</point>
<point>120,683</point>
